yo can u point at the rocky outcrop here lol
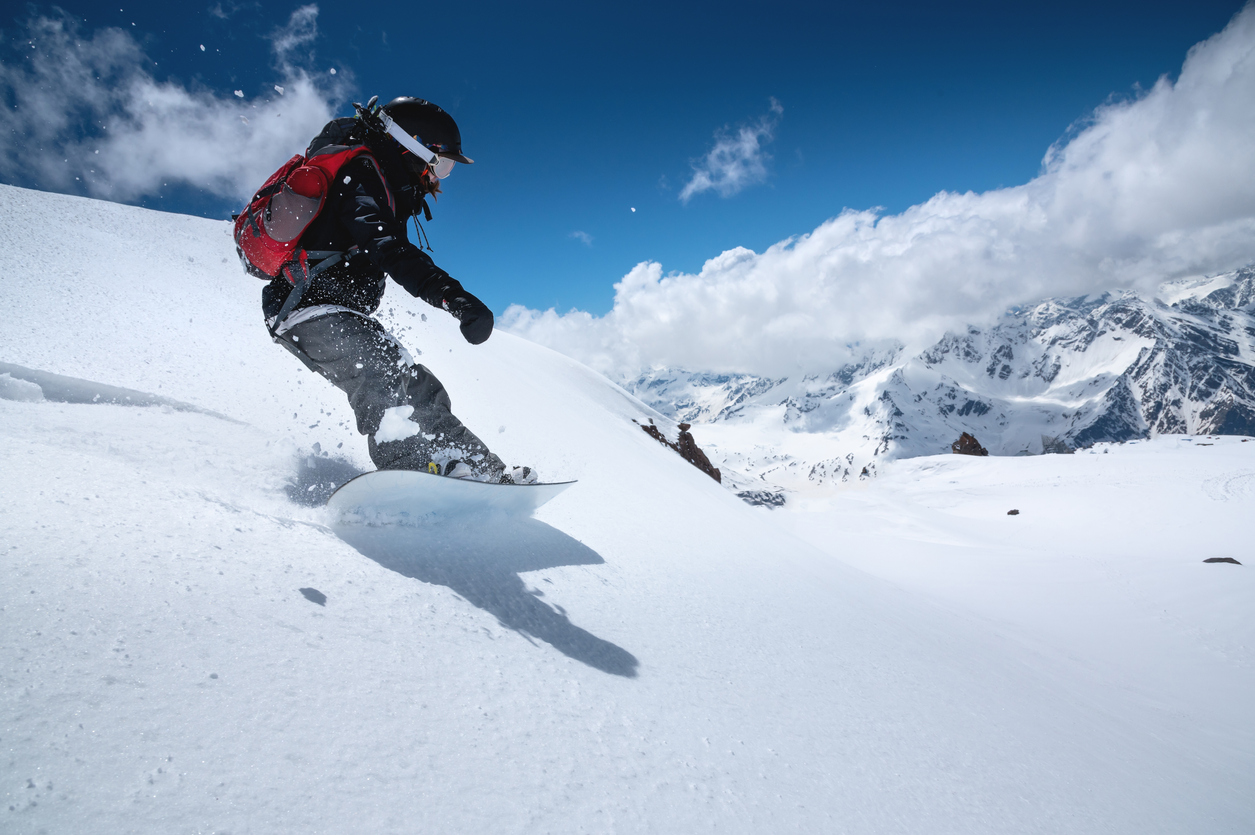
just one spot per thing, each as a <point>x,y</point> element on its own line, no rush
<point>690,452</point>
<point>968,445</point>
<point>686,447</point>
<point>1055,446</point>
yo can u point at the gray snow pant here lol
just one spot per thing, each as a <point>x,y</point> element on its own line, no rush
<point>361,359</point>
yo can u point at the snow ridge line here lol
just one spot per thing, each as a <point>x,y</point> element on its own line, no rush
<point>62,389</point>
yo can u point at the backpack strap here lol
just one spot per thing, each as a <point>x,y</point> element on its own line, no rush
<point>300,275</point>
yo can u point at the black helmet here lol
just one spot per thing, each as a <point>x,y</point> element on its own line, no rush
<point>433,127</point>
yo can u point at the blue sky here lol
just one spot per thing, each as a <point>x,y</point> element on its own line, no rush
<point>578,113</point>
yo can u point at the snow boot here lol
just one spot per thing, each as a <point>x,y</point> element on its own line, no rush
<point>460,468</point>
<point>454,469</point>
<point>519,475</point>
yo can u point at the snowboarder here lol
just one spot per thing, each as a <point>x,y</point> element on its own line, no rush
<point>391,159</point>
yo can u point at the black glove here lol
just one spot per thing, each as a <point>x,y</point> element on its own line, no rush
<point>474,315</point>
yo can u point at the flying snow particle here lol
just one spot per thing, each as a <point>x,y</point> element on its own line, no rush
<point>239,94</point>
<point>278,89</point>
<point>202,47</point>
<point>633,208</point>
<point>333,70</point>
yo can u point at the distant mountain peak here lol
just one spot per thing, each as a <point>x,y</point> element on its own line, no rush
<point>1059,374</point>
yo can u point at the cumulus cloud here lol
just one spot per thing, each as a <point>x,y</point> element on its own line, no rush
<point>738,159</point>
<point>1156,187</point>
<point>86,115</point>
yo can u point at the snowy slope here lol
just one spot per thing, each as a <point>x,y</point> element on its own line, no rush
<point>1103,562</point>
<point>649,654</point>
<point>1062,372</point>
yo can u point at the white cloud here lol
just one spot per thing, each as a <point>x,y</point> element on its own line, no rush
<point>582,237</point>
<point>300,31</point>
<point>77,94</point>
<point>737,161</point>
<point>1161,186</point>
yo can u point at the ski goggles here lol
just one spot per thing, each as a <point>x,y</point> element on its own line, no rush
<point>443,167</point>
<point>439,166</point>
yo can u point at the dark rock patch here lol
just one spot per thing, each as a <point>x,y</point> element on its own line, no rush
<point>762,498</point>
<point>1055,446</point>
<point>687,448</point>
<point>968,445</point>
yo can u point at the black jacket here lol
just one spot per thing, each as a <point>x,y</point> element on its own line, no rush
<point>368,206</point>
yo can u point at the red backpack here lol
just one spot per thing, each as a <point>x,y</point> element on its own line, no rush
<point>268,231</point>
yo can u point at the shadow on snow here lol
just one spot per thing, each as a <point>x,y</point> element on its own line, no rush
<point>317,476</point>
<point>480,559</point>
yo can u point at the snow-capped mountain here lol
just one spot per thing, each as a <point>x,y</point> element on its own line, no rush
<point>1059,375</point>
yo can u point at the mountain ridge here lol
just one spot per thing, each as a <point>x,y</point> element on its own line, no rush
<point>1057,375</point>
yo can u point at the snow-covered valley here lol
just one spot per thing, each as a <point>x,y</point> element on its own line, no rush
<point>190,644</point>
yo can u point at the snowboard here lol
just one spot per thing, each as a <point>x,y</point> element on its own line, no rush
<point>415,496</point>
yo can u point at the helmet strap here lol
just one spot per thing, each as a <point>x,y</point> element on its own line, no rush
<point>378,119</point>
<point>408,142</point>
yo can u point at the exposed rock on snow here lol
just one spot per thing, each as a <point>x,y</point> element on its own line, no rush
<point>1055,446</point>
<point>968,445</point>
<point>762,498</point>
<point>686,447</point>
<point>690,452</point>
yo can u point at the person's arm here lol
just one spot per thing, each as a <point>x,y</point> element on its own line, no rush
<point>366,211</point>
